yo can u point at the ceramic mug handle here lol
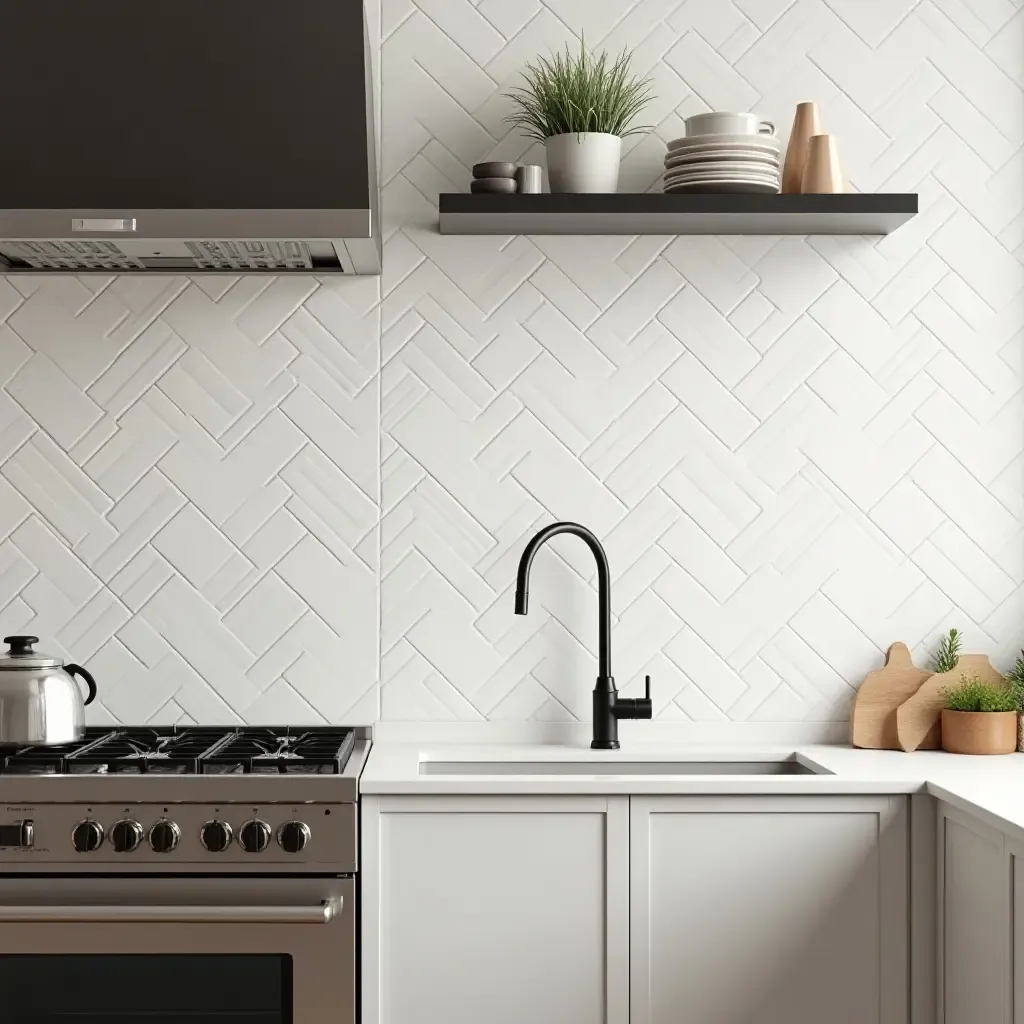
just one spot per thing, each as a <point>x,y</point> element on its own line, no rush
<point>766,128</point>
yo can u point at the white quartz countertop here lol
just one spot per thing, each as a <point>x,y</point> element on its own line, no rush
<point>991,788</point>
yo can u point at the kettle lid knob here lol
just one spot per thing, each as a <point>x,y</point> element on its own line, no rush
<point>21,645</point>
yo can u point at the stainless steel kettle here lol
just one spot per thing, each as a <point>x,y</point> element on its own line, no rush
<point>40,701</point>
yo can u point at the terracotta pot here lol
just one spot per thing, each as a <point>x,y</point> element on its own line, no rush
<point>979,732</point>
<point>806,123</point>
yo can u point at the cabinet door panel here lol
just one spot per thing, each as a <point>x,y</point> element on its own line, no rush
<point>503,911</point>
<point>768,911</point>
<point>975,947</point>
<point>1017,930</point>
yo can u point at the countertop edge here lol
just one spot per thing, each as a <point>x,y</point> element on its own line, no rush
<point>1005,821</point>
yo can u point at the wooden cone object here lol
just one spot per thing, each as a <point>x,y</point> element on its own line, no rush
<point>873,718</point>
<point>918,719</point>
<point>823,171</point>
<point>806,122</point>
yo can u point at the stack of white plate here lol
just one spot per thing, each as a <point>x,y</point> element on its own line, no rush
<point>722,163</point>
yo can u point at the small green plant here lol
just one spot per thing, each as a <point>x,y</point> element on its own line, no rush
<point>1016,678</point>
<point>948,653</point>
<point>579,93</point>
<point>974,695</point>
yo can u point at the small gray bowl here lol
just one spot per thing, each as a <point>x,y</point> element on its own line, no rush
<point>495,169</point>
<point>494,186</point>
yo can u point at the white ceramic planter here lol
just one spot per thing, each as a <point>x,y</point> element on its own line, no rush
<point>584,162</point>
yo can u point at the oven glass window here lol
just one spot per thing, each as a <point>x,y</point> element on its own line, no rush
<point>95,989</point>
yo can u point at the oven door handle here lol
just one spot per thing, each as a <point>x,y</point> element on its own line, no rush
<point>323,913</point>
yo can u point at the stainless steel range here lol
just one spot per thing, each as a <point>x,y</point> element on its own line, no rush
<point>192,875</point>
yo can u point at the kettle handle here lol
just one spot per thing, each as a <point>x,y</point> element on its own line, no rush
<point>77,670</point>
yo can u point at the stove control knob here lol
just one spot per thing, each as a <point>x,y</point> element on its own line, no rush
<point>254,836</point>
<point>125,835</point>
<point>215,836</point>
<point>87,836</point>
<point>164,836</point>
<point>293,836</point>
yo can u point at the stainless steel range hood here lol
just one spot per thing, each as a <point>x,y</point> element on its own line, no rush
<point>187,136</point>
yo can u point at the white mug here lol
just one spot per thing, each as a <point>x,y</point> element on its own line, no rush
<point>728,124</point>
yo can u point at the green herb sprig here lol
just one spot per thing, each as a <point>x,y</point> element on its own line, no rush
<point>579,93</point>
<point>1016,678</point>
<point>948,653</point>
<point>974,695</point>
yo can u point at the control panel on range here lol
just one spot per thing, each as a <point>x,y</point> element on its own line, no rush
<point>178,832</point>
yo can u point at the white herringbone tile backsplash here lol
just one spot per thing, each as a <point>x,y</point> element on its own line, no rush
<point>796,449</point>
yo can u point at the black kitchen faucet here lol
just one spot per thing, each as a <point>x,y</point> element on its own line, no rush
<point>609,707</point>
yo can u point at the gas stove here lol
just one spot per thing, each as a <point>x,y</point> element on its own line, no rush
<point>189,798</point>
<point>220,862</point>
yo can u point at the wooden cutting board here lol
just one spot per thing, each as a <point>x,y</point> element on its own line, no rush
<point>918,719</point>
<point>873,719</point>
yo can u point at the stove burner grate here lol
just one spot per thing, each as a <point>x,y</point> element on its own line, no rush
<point>314,751</point>
<point>189,750</point>
<point>47,760</point>
<point>139,751</point>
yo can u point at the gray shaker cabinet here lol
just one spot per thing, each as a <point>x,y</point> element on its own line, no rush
<point>768,910</point>
<point>981,922</point>
<point>497,909</point>
<point>634,910</point>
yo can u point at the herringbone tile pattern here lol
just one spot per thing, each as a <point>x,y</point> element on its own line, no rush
<point>796,449</point>
<point>188,491</point>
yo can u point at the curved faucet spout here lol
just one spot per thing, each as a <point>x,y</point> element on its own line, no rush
<point>604,622</point>
<point>609,707</point>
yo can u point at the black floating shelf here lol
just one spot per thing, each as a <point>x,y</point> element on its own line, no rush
<point>652,213</point>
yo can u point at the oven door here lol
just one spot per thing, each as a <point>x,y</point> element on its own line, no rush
<point>177,950</point>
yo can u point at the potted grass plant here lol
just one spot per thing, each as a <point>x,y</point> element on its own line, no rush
<point>581,106</point>
<point>1016,679</point>
<point>979,718</point>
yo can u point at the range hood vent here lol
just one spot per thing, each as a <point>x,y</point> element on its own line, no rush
<point>180,152</point>
<point>206,255</point>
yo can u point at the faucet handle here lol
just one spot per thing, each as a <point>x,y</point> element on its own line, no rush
<point>638,707</point>
<point>644,707</point>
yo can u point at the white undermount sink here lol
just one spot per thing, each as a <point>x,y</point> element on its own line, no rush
<point>761,766</point>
